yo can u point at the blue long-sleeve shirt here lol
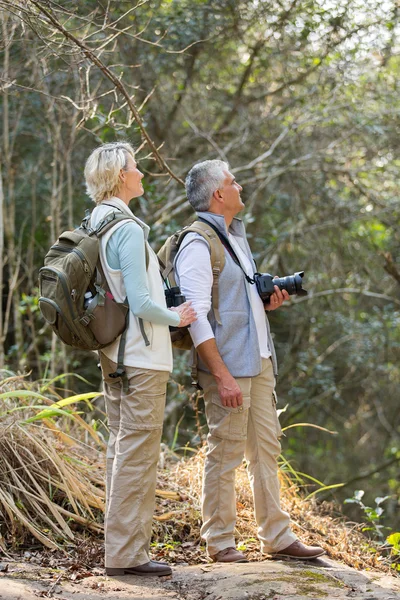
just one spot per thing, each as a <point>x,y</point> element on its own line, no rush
<point>126,252</point>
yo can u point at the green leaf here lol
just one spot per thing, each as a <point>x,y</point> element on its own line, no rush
<point>22,394</point>
<point>323,489</point>
<point>78,398</point>
<point>394,540</point>
<point>50,382</point>
<point>48,413</point>
<point>380,499</point>
<point>24,407</point>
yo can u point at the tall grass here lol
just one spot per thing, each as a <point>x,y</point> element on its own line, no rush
<point>51,465</point>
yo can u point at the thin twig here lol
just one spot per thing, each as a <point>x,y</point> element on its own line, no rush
<point>115,80</point>
<point>312,295</point>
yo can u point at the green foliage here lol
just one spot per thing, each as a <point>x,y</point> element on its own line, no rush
<point>302,100</point>
<point>394,541</point>
<point>389,543</point>
<point>373,515</point>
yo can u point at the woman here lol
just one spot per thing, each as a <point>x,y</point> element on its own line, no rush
<point>135,416</point>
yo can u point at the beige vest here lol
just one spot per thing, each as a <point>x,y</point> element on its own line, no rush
<point>158,354</point>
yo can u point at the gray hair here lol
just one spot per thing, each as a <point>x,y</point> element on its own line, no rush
<point>103,168</point>
<point>202,181</point>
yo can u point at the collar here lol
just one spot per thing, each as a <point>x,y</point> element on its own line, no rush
<point>236,227</point>
<point>120,204</point>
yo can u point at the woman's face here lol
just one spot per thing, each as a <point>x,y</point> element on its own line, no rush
<point>132,179</point>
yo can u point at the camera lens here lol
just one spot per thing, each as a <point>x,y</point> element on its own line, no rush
<point>292,284</point>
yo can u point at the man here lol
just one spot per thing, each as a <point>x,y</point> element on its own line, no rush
<point>236,370</point>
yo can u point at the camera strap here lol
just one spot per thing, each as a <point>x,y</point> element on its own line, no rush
<point>226,243</point>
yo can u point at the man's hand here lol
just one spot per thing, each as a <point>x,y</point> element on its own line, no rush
<point>277,298</point>
<point>229,391</point>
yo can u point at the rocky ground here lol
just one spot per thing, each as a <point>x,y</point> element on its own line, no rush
<point>270,579</point>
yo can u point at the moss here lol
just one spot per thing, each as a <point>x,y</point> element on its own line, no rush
<point>27,575</point>
<point>303,575</point>
<point>33,575</point>
<point>311,589</point>
<point>320,578</point>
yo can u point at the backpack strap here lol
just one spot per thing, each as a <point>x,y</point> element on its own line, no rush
<point>121,371</point>
<point>217,258</point>
<point>109,222</point>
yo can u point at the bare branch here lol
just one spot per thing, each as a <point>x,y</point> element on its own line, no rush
<point>312,295</point>
<point>266,154</point>
<point>115,80</point>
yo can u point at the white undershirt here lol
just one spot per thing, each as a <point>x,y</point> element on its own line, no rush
<point>194,276</point>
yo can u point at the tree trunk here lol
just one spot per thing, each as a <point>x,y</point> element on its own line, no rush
<point>1,269</point>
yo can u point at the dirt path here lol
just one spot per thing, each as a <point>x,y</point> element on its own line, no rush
<point>272,580</point>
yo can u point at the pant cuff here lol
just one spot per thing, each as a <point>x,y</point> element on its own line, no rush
<point>123,562</point>
<point>286,541</point>
<point>213,549</point>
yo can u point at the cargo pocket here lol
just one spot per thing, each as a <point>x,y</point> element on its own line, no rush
<point>226,422</point>
<point>275,413</point>
<point>145,401</point>
<point>108,366</point>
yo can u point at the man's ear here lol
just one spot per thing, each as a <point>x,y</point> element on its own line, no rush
<point>217,195</point>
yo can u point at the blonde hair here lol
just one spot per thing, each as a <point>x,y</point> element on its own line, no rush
<point>103,168</point>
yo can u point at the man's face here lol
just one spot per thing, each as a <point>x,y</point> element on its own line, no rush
<point>133,178</point>
<point>231,194</point>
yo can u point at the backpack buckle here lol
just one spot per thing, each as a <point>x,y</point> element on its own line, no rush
<point>85,320</point>
<point>101,294</point>
<point>120,372</point>
<point>86,220</point>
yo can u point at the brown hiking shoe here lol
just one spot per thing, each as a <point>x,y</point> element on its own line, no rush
<point>229,555</point>
<point>299,551</point>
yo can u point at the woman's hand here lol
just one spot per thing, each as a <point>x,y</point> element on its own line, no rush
<point>186,313</point>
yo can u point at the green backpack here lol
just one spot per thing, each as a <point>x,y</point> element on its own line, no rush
<point>75,298</point>
<point>180,336</point>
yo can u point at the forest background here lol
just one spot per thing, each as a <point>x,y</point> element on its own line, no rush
<point>301,97</point>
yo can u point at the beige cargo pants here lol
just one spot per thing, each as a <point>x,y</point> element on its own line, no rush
<point>135,422</point>
<point>251,431</point>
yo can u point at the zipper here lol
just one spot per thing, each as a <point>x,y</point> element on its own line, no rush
<point>47,278</point>
<point>143,332</point>
<point>77,251</point>
<point>84,259</point>
<point>61,248</point>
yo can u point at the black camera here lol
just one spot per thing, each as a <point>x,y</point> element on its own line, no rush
<point>174,297</point>
<point>292,284</point>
